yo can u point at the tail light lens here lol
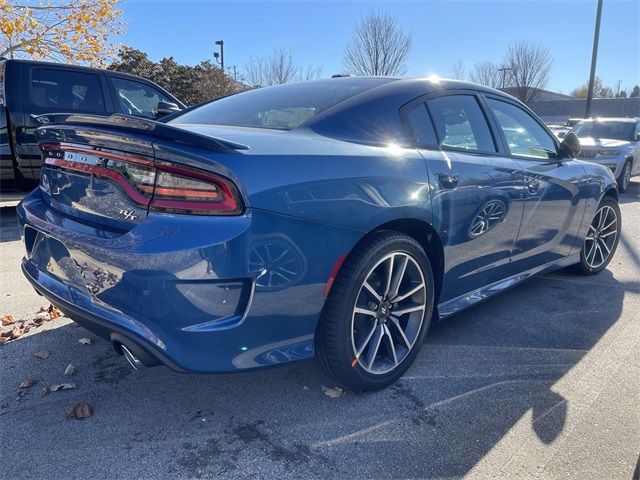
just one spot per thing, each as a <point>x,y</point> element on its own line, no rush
<point>161,186</point>
<point>184,190</point>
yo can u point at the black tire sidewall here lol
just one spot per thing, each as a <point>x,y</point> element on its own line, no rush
<point>621,186</point>
<point>357,376</point>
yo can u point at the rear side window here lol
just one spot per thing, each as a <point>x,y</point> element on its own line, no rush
<point>139,99</point>
<point>421,126</point>
<point>524,135</point>
<point>66,91</point>
<point>460,123</point>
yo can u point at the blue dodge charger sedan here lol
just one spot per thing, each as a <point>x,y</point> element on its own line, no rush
<point>334,218</point>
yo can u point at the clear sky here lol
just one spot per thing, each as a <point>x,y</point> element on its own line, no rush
<point>443,31</point>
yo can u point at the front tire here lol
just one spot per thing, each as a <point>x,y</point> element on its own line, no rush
<point>625,177</point>
<point>377,313</point>
<point>602,238</point>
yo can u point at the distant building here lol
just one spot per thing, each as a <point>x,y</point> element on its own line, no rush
<point>539,95</point>
<point>558,111</point>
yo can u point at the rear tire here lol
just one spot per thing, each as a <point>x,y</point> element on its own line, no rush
<point>377,313</point>
<point>602,238</point>
<point>625,177</point>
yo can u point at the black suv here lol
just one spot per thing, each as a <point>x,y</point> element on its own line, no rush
<point>29,89</point>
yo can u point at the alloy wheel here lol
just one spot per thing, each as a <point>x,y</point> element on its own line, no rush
<point>601,237</point>
<point>388,313</point>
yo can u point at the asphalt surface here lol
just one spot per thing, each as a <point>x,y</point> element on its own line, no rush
<point>542,381</point>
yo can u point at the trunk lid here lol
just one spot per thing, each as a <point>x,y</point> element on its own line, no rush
<point>103,170</point>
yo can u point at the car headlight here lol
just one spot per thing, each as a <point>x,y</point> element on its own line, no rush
<point>609,152</point>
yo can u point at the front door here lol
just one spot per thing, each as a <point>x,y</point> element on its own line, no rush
<point>552,191</point>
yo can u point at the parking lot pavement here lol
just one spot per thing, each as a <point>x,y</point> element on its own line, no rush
<point>542,381</point>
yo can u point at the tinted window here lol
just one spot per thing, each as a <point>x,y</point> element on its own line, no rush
<point>66,91</point>
<point>460,123</point>
<point>610,130</point>
<point>525,136</point>
<point>421,126</point>
<point>139,99</point>
<point>280,107</point>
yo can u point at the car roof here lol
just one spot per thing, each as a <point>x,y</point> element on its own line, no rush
<point>79,67</point>
<point>412,87</point>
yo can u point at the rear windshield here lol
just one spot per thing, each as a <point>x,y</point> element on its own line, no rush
<point>280,107</point>
<point>610,130</point>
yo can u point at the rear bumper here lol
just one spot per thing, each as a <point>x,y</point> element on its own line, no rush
<point>187,288</point>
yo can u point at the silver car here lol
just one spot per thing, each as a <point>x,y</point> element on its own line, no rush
<point>614,142</point>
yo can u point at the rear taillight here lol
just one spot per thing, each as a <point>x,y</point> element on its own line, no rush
<point>185,190</point>
<point>162,186</point>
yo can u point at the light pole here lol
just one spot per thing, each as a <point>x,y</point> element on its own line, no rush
<point>220,56</point>
<point>503,70</point>
<point>594,57</point>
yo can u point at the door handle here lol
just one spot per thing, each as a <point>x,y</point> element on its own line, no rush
<point>533,186</point>
<point>449,180</point>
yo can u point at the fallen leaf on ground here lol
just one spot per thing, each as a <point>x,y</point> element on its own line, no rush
<point>70,370</point>
<point>18,330</point>
<point>336,392</point>
<point>62,386</point>
<point>28,383</point>
<point>44,354</point>
<point>7,320</point>
<point>86,341</point>
<point>43,309</point>
<point>45,390</point>
<point>54,312</point>
<point>79,411</point>
<point>3,340</point>
<point>38,321</point>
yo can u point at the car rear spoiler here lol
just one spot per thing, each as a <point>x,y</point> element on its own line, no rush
<point>128,123</point>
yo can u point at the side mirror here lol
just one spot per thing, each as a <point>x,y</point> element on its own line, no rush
<point>561,134</point>
<point>167,108</point>
<point>570,145</point>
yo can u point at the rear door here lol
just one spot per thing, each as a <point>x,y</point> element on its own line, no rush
<point>51,89</point>
<point>553,208</point>
<point>476,189</point>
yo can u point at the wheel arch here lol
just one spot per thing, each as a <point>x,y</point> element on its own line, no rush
<point>612,192</point>
<point>428,238</point>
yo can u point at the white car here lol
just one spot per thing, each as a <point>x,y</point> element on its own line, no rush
<point>614,142</point>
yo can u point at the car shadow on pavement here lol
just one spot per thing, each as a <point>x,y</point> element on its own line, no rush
<point>479,374</point>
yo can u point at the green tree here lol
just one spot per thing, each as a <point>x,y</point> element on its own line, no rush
<point>192,85</point>
<point>635,92</point>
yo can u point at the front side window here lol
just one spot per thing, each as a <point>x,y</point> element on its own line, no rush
<point>460,123</point>
<point>525,136</point>
<point>139,99</point>
<point>66,91</point>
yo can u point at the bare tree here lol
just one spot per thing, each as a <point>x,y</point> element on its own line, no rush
<point>278,68</point>
<point>529,66</point>
<point>457,70</point>
<point>378,46</point>
<point>487,73</point>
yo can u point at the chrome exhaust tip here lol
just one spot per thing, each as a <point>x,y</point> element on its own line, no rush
<point>134,361</point>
